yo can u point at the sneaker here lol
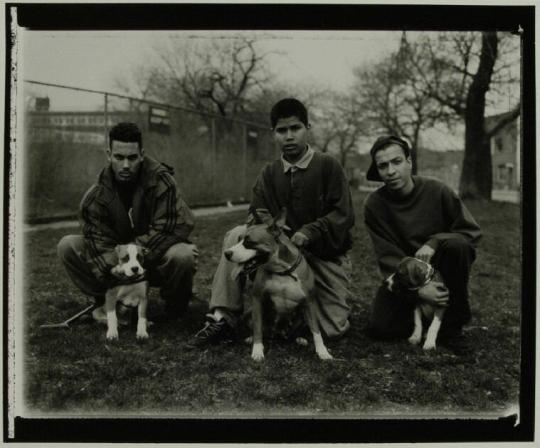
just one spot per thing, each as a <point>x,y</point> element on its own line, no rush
<point>213,332</point>
<point>458,344</point>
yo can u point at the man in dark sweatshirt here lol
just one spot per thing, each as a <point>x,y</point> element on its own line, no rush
<point>423,218</point>
<point>313,188</point>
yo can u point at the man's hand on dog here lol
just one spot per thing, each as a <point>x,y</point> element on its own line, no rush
<point>434,293</point>
<point>425,253</point>
<point>195,253</point>
<point>299,239</point>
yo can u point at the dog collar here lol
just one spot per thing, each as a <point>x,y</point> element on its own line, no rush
<point>289,271</point>
<point>131,280</point>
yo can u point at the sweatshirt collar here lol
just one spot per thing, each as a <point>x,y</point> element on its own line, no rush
<point>303,163</point>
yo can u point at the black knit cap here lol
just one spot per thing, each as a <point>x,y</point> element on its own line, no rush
<point>382,143</point>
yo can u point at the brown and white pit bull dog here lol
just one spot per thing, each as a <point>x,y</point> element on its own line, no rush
<point>135,293</point>
<point>411,275</point>
<point>282,276</point>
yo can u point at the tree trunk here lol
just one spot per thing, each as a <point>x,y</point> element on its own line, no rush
<point>414,150</point>
<point>476,174</point>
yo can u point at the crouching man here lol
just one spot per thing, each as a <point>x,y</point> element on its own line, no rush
<point>313,188</point>
<point>422,218</point>
<point>135,199</point>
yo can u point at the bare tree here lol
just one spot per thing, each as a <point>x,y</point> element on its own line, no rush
<point>339,124</point>
<point>396,102</point>
<point>222,75</point>
<point>458,72</point>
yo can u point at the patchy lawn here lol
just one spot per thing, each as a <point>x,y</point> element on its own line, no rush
<point>76,371</point>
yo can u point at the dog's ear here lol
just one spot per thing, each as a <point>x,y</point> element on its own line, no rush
<point>279,220</point>
<point>277,224</point>
<point>417,272</point>
<point>256,218</point>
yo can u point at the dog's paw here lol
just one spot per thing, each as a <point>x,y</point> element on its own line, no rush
<point>415,340</point>
<point>112,335</point>
<point>301,341</point>
<point>142,335</point>
<point>429,345</point>
<point>324,354</point>
<point>257,354</point>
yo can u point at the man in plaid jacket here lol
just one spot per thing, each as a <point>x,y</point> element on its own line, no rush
<point>135,199</point>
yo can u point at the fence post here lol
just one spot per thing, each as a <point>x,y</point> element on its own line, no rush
<point>244,161</point>
<point>213,163</point>
<point>106,117</point>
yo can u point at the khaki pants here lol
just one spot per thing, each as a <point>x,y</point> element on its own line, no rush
<point>331,284</point>
<point>174,272</point>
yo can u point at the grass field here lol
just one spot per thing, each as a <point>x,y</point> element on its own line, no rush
<point>76,371</point>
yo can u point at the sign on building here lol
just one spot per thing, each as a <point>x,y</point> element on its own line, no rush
<point>159,120</point>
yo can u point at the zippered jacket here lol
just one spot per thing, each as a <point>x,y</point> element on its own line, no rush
<point>159,217</point>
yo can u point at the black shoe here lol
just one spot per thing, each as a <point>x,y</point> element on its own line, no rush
<point>450,332</point>
<point>458,344</point>
<point>213,332</point>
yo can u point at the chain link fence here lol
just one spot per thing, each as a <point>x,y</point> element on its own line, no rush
<point>66,134</point>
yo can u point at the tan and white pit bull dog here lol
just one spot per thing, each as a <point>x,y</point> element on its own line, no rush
<point>411,275</point>
<point>282,276</point>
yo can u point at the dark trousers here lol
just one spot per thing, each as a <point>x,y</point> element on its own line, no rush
<point>173,273</point>
<point>393,315</point>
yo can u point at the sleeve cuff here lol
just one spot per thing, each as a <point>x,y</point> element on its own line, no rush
<point>308,233</point>
<point>433,243</point>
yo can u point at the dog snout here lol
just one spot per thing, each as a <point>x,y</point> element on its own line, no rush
<point>135,269</point>
<point>228,254</point>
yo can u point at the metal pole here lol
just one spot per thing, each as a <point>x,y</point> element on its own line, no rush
<point>213,162</point>
<point>106,118</point>
<point>244,162</point>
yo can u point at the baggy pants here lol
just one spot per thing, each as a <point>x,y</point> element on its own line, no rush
<point>393,316</point>
<point>173,273</point>
<point>331,285</point>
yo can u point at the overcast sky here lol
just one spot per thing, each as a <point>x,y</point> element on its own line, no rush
<point>94,59</point>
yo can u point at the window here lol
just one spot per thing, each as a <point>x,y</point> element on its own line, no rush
<point>499,144</point>
<point>501,172</point>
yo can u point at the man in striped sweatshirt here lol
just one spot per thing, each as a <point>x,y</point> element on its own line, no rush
<point>135,199</point>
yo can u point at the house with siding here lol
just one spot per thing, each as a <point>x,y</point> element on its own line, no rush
<point>505,154</point>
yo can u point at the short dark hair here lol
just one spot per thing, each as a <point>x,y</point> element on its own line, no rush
<point>125,132</point>
<point>288,107</point>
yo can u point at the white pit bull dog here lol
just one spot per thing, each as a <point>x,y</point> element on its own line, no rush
<point>133,293</point>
